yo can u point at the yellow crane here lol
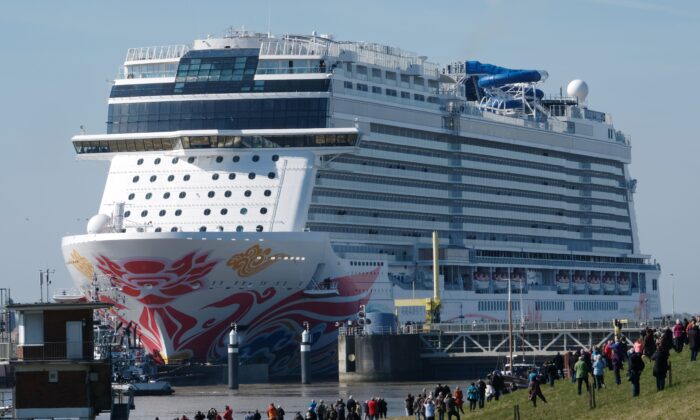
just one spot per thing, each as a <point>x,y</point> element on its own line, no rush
<point>431,305</point>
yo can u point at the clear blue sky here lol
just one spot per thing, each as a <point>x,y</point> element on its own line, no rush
<point>640,58</point>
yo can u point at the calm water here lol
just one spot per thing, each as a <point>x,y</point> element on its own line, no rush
<point>293,397</point>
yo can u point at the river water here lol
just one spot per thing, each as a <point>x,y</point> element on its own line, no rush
<point>292,397</point>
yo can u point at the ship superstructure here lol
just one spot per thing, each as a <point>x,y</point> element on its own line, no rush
<point>269,181</point>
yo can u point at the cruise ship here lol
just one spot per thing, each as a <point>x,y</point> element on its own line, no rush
<point>282,181</point>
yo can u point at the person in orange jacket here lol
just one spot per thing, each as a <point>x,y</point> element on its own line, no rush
<point>272,412</point>
<point>459,399</point>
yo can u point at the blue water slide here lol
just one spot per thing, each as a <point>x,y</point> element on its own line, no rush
<point>496,76</point>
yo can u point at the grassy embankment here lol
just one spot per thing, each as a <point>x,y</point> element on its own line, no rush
<point>613,402</point>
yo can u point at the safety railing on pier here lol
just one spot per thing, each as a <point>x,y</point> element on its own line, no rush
<point>163,52</point>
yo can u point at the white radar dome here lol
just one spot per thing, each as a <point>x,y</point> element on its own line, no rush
<point>578,89</point>
<point>99,223</point>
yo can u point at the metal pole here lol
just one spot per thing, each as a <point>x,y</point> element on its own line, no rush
<point>673,294</point>
<point>510,328</point>
<point>305,355</point>
<point>233,358</point>
<point>41,285</point>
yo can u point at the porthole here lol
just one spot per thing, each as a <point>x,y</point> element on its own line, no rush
<point>215,177</point>
<point>247,193</point>
<point>258,228</point>
<point>236,158</point>
<point>268,193</point>
<point>153,178</point>
<point>231,176</point>
<point>161,213</point>
<point>211,194</point>
<point>166,195</point>
<point>244,210</point>
<point>239,228</point>
<point>207,212</point>
<point>175,160</point>
<point>178,212</point>
<point>263,210</point>
<point>202,228</point>
<point>256,158</point>
<point>157,161</point>
<point>127,213</point>
<point>275,158</point>
<point>220,228</point>
<point>131,196</point>
<point>186,177</point>
<point>173,229</point>
<point>227,194</point>
<point>139,162</point>
<point>144,213</point>
<point>183,194</point>
<point>135,179</point>
<point>148,196</point>
<point>223,212</point>
<point>251,175</point>
<point>158,229</point>
<point>219,159</point>
<point>190,159</point>
<point>171,178</point>
<point>271,175</point>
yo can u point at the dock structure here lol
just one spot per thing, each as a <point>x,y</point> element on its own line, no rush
<point>424,351</point>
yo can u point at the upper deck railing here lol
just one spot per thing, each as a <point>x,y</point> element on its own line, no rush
<point>163,52</point>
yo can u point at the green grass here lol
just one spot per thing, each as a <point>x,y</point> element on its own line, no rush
<point>613,402</point>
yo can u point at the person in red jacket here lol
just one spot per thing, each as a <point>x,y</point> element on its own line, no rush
<point>228,413</point>
<point>372,407</point>
<point>459,399</point>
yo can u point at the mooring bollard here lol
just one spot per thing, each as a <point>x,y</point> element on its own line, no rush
<point>305,355</point>
<point>591,397</point>
<point>516,412</point>
<point>233,358</point>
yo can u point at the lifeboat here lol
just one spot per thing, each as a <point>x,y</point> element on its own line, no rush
<point>623,284</point>
<point>481,281</point>
<point>562,281</point>
<point>579,283</point>
<point>609,285</point>
<point>500,281</point>
<point>593,284</point>
<point>517,281</point>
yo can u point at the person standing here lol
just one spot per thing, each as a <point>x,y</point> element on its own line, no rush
<point>660,358</point>
<point>272,412</point>
<point>373,407</point>
<point>482,392</point>
<point>451,407</point>
<point>678,338</point>
<point>459,399</point>
<point>693,334</point>
<point>472,396</point>
<point>635,371</point>
<point>535,391</point>
<point>280,413</point>
<point>409,405</point>
<point>429,409</point>
<point>581,369</point>
<point>228,413</point>
<point>618,358</point>
<point>599,372</point>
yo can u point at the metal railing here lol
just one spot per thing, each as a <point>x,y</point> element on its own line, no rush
<point>162,52</point>
<point>78,350</point>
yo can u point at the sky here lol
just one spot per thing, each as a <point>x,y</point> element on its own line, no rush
<point>640,59</point>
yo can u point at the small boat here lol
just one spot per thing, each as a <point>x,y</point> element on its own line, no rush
<point>500,281</point>
<point>145,388</point>
<point>623,284</point>
<point>563,283</point>
<point>481,281</point>
<point>69,296</point>
<point>609,285</point>
<point>517,281</point>
<point>579,283</point>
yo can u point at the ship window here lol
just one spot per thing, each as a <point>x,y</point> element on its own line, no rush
<point>186,177</point>
<point>215,177</point>
<point>148,196</point>
<point>131,196</point>
<point>166,195</point>
<point>362,87</point>
<point>263,210</point>
<point>219,159</point>
<point>653,283</point>
<point>227,194</point>
<point>391,92</point>
<point>207,212</point>
<point>268,193</point>
<point>171,178</point>
<point>161,213</point>
<point>127,213</point>
<point>256,158</point>
<point>144,213</point>
<point>202,228</point>
<point>376,89</point>
<point>405,95</point>
<point>173,229</point>
<point>211,194</point>
<point>158,229</point>
<point>271,175</point>
<point>231,176</point>
<point>236,158</point>
<point>244,210</point>
<point>135,179</point>
<point>347,85</point>
<point>418,97</point>
<point>157,161</point>
<point>139,162</point>
<point>247,193</point>
<point>190,160</point>
<point>390,75</point>
<point>183,194</point>
<point>178,212</point>
<point>275,158</point>
<point>175,160</point>
<point>239,228</point>
<point>153,178</point>
<point>224,212</point>
<point>259,228</point>
<point>251,175</point>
